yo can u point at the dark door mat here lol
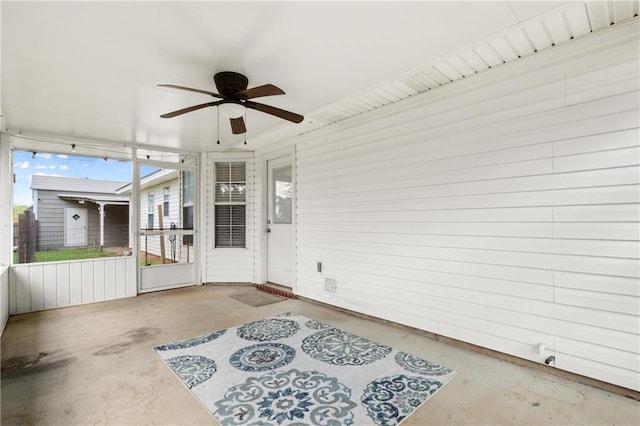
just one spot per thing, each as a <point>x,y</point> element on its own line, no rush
<point>257,298</point>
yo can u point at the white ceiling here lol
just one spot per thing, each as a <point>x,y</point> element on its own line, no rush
<point>89,70</point>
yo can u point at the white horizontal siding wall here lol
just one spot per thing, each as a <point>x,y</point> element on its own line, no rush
<point>153,242</point>
<point>40,286</point>
<point>226,265</point>
<point>501,210</point>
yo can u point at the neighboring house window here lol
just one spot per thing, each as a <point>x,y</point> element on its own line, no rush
<point>187,205</point>
<point>150,206</point>
<point>165,201</point>
<point>230,204</point>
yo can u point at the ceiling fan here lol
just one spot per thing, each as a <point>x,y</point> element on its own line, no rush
<point>232,88</point>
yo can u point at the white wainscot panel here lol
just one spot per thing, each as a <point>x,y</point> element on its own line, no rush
<point>40,286</point>
<point>173,275</point>
<point>4,297</point>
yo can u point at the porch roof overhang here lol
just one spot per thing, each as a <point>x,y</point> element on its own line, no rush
<point>155,178</point>
<point>113,200</point>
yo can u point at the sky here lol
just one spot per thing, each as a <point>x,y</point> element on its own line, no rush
<point>25,165</point>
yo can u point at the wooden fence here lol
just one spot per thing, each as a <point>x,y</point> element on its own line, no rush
<point>27,237</point>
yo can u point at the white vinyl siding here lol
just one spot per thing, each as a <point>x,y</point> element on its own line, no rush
<point>501,210</point>
<point>152,243</point>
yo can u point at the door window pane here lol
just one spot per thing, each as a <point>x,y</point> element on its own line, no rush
<point>282,195</point>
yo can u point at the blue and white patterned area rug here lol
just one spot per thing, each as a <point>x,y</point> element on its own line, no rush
<point>291,370</point>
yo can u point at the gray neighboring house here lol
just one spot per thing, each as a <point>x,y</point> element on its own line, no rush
<point>79,212</point>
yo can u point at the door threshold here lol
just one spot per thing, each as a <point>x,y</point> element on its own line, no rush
<point>277,289</point>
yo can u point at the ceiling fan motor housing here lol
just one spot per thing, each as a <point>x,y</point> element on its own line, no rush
<point>229,83</point>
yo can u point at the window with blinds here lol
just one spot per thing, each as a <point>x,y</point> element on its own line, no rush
<point>230,204</point>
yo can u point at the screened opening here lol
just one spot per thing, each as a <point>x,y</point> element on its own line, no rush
<point>173,209</point>
<point>69,207</point>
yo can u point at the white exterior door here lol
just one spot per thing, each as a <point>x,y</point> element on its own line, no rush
<point>75,227</point>
<point>280,222</point>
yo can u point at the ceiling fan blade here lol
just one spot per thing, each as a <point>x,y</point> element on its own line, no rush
<point>237,126</point>
<point>189,109</point>
<point>281,113</point>
<point>173,86</point>
<point>260,91</point>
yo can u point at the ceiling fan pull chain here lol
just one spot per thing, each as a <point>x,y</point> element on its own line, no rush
<point>218,110</point>
<point>245,132</point>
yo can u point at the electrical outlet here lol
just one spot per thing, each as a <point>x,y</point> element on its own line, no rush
<point>330,285</point>
<point>319,266</point>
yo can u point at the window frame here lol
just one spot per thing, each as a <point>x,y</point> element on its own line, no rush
<point>230,203</point>
<point>166,195</point>
<point>150,207</point>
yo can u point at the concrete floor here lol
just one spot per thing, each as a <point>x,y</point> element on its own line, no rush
<point>94,364</point>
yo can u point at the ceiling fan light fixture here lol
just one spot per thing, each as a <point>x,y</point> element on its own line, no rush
<point>232,110</point>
